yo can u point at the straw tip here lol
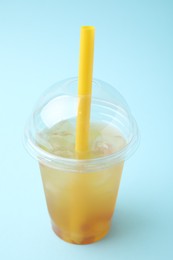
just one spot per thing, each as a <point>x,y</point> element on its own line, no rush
<point>87,27</point>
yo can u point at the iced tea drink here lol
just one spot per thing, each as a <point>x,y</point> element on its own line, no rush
<point>81,190</point>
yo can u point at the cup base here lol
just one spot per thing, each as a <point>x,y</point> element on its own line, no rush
<point>79,240</point>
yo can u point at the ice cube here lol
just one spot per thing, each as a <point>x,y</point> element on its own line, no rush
<point>43,142</point>
<point>59,140</point>
<point>102,147</point>
<point>105,145</point>
<point>119,142</point>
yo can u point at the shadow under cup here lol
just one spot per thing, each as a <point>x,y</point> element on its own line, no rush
<point>81,194</point>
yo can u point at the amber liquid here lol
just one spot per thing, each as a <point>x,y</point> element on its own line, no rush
<point>81,205</point>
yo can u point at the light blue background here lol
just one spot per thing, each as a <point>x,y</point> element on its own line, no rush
<point>39,43</point>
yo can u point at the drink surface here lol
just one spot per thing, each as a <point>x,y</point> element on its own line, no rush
<point>81,205</point>
<point>60,140</point>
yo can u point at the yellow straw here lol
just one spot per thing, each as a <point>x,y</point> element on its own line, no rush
<point>84,88</point>
<point>78,190</point>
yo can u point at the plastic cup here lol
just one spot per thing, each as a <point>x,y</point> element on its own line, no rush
<point>81,194</point>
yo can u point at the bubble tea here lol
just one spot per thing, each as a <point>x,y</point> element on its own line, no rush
<point>81,193</point>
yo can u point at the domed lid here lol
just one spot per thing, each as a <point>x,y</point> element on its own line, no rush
<point>60,102</point>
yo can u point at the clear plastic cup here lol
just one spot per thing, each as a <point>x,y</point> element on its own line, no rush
<point>81,193</point>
